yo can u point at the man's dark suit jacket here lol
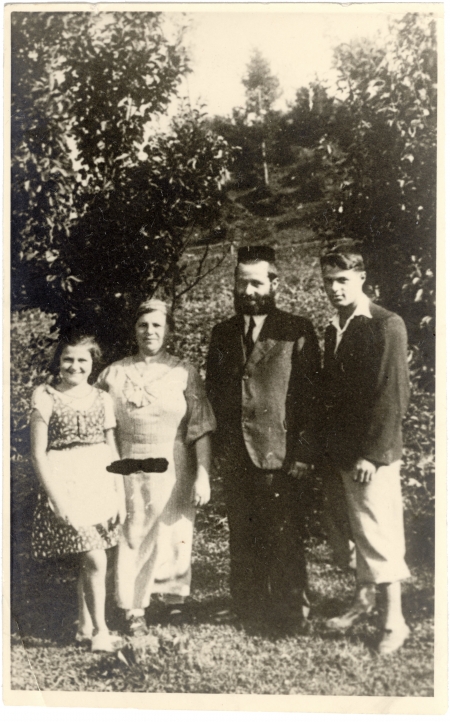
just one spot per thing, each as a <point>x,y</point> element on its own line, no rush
<point>270,400</point>
<point>365,389</point>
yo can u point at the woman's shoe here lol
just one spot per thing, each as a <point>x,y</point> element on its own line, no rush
<point>136,626</point>
<point>105,641</point>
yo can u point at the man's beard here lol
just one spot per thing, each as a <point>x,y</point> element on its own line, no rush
<point>254,305</point>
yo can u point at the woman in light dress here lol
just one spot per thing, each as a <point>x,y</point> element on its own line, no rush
<point>80,504</point>
<point>161,411</point>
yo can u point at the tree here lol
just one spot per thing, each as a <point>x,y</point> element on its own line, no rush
<point>262,89</point>
<point>245,138</point>
<point>308,116</point>
<point>379,151</point>
<point>102,205</point>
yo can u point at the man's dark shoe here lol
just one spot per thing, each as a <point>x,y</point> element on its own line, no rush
<point>227,615</point>
<point>289,622</point>
<point>176,614</point>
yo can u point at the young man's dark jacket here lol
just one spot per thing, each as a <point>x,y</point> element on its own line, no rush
<point>270,399</point>
<point>365,389</point>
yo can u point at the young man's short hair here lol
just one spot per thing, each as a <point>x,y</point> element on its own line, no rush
<point>346,254</point>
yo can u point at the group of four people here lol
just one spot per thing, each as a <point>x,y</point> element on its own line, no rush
<point>273,412</point>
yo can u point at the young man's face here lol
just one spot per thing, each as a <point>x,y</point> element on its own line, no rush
<point>343,287</point>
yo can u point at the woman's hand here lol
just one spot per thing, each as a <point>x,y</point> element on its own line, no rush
<point>120,489</point>
<point>201,491</point>
<point>122,510</point>
<point>122,515</point>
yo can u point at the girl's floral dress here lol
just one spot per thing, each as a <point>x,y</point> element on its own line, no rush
<point>78,456</point>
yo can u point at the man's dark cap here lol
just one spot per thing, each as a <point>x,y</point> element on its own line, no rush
<point>246,254</point>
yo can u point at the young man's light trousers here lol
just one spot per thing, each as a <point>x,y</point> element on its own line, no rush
<point>375,515</point>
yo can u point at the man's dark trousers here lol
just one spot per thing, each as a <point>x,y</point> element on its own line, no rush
<point>268,569</point>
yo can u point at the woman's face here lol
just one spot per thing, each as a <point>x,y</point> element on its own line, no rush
<point>75,365</point>
<point>151,332</point>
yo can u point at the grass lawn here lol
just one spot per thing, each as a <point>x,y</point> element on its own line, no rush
<point>204,656</point>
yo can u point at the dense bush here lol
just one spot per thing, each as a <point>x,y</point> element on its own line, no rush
<point>367,152</point>
<point>379,154</point>
<point>102,204</point>
<point>31,350</point>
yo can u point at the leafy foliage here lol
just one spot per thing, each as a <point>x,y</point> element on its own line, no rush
<point>253,129</point>
<point>103,205</point>
<point>367,156</point>
<point>308,116</point>
<point>246,136</point>
<point>379,152</point>
<point>261,87</point>
<point>31,352</point>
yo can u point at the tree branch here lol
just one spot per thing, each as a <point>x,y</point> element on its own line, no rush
<point>169,263</point>
<point>199,277</point>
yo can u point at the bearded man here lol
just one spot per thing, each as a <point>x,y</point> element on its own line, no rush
<point>262,370</point>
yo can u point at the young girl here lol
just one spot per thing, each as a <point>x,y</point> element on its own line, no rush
<point>72,442</point>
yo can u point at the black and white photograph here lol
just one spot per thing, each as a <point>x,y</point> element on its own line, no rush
<point>224,243</point>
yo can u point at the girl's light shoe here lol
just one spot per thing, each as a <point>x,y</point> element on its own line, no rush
<point>393,639</point>
<point>84,633</point>
<point>105,641</point>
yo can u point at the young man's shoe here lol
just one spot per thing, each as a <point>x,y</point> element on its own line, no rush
<point>347,620</point>
<point>363,605</point>
<point>393,639</point>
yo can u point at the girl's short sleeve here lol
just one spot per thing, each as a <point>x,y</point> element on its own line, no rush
<point>42,402</point>
<point>200,416</point>
<point>110,417</point>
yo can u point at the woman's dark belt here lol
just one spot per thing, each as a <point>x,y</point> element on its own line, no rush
<point>132,466</point>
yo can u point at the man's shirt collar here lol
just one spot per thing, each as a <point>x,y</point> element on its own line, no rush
<point>362,309</point>
<point>259,320</point>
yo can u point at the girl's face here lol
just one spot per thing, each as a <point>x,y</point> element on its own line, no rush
<point>151,332</point>
<point>75,365</point>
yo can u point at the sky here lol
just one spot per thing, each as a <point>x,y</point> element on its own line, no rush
<point>297,45</point>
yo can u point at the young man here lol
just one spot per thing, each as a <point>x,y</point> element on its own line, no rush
<point>365,393</point>
<point>262,371</point>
